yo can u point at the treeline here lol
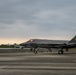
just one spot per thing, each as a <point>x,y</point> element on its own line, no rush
<point>6,46</point>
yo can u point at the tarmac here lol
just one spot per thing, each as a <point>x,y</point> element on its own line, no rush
<point>23,62</point>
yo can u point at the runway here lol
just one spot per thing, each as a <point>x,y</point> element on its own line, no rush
<point>22,62</point>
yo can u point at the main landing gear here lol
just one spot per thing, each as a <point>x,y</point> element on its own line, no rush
<point>60,52</point>
<point>33,50</point>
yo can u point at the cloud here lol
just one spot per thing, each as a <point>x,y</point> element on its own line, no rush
<point>37,18</point>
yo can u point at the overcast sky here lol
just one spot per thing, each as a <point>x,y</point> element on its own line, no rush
<point>21,20</point>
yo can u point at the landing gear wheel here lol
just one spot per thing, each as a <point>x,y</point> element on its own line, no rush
<point>60,52</point>
<point>35,51</point>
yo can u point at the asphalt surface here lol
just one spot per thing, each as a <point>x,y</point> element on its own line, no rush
<point>23,62</point>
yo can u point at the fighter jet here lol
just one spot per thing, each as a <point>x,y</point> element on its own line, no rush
<point>33,44</point>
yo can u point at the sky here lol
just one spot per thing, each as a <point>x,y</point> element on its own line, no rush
<point>21,20</point>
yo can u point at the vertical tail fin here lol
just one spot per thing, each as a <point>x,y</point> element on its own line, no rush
<point>73,40</point>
